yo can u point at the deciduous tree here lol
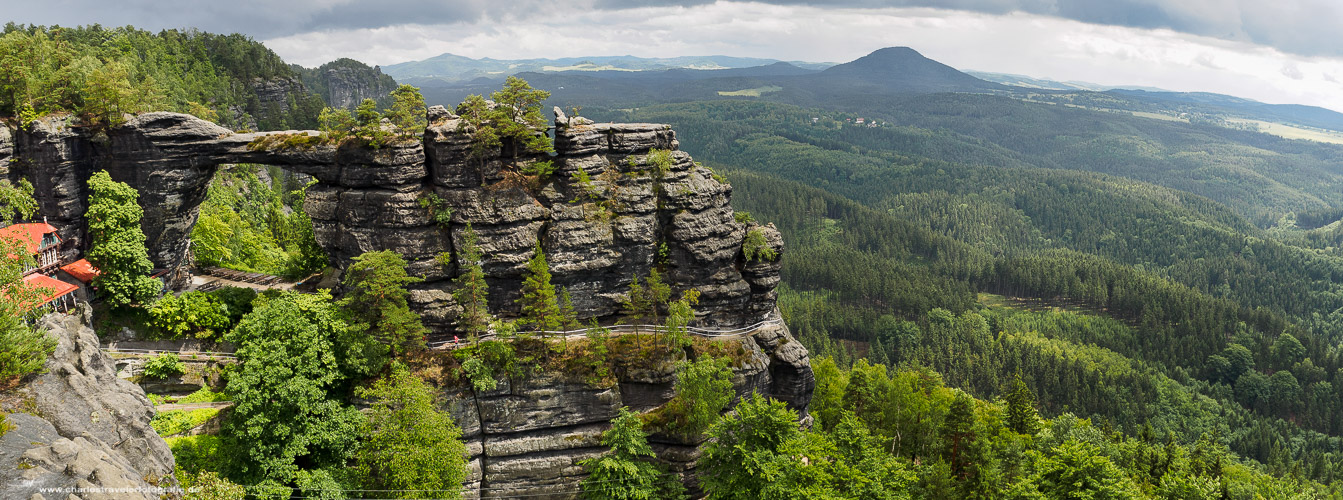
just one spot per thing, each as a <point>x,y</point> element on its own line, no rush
<point>117,247</point>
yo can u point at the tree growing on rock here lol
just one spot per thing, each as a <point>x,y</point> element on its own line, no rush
<point>511,123</point>
<point>407,111</point>
<point>376,305</point>
<point>410,447</point>
<point>625,473</point>
<point>472,292</point>
<point>540,305</point>
<point>117,246</point>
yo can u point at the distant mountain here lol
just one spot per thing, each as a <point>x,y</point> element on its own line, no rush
<point>900,70</point>
<point>451,68</point>
<point>1237,107</point>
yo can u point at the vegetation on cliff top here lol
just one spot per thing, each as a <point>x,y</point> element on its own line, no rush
<point>100,73</point>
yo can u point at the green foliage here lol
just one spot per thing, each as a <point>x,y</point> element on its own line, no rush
<point>198,314</point>
<point>255,226</point>
<point>625,472</point>
<point>336,124</point>
<point>375,304</point>
<point>173,422</point>
<point>540,307</point>
<point>1078,470</point>
<point>286,406</point>
<point>117,244</point>
<point>409,444</point>
<point>509,124</point>
<point>743,217</point>
<point>703,390</point>
<point>754,247</point>
<point>164,366</point>
<point>1021,416</point>
<point>477,121</point>
<point>472,292</point>
<point>438,208</point>
<point>407,111</point>
<point>23,348</point>
<point>517,115</point>
<point>98,74</point>
<point>483,363</point>
<point>16,201</point>
<point>208,485</point>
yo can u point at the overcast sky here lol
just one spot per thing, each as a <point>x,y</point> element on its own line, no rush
<point>1278,51</point>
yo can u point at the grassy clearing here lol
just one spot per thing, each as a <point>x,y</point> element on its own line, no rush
<point>755,92</point>
<point>1292,132</point>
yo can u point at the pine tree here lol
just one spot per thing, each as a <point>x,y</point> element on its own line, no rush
<point>376,302</point>
<point>540,308</point>
<point>626,471</point>
<point>472,291</point>
<point>1021,416</point>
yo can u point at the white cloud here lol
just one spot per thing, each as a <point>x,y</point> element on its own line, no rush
<point>1013,43</point>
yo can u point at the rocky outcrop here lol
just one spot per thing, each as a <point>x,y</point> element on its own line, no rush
<point>527,436</point>
<point>83,427</point>
<point>629,216</point>
<point>344,83</point>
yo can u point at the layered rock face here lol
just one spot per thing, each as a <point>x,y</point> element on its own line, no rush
<point>85,427</point>
<point>628,216</point>
<point>347,86</point>
<point>528,435</point>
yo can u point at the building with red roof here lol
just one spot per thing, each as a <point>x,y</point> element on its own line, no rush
<point>55,294</point>
<point>81,270</point>
<point>40,240</point>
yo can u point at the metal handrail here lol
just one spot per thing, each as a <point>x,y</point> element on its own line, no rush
<point>698,332</point>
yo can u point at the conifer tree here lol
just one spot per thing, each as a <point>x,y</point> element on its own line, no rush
<point>376,302</point>
<point>626,472</point>
<point>472,291</point>
<point>540,308</point>
<point>1021,416</point>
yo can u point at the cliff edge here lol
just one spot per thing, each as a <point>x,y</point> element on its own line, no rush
<point>77,430</point>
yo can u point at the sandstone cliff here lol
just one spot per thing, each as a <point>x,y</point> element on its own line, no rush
<point>622,201</point>
<point>597,235</point>
<point>344,83</point>
<point>528,435</point>
<point>79,426</point>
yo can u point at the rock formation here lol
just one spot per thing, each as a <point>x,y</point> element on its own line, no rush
<point>82,426</point>
<point>527,436</point>
<point>597,235</point>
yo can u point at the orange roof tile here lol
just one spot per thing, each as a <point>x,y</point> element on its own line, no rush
<point>30,234</point>
<point>81,269</point>
<point>51,288</point>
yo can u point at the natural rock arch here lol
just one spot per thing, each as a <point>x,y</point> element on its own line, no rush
<point>367,199</point>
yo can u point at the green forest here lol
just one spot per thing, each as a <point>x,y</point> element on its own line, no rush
<point>951,240</point>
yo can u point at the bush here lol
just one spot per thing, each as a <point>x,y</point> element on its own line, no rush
<point>173,422</point>
<point>756,248</point>
<point>23,350</point>
<point>164,366</point>
<point>197,314</point>
<point>703,390</point>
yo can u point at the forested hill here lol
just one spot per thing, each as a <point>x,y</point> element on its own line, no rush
<point>1145,273</point>
<point>99,73</point>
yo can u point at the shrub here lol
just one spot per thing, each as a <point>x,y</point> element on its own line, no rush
<point>198,314</point>
<point>164,366</point>
<point>23,350</point>
<point>197,453</point>
<point>703,389</point>
<point>756,248</point>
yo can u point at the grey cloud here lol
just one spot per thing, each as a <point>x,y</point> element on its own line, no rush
<point>1305,27</point>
